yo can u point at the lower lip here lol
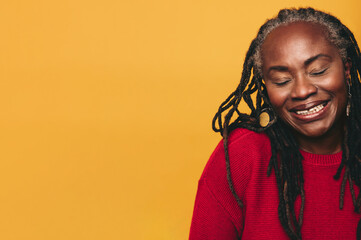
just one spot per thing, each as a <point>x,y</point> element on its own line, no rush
<point>313,116</point>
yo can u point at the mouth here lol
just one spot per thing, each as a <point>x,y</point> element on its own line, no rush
<point>310,111</point>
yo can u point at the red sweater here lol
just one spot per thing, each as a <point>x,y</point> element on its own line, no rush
<point>216,213</point>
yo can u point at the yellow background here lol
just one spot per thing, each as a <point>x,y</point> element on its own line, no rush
<point>106,109</point>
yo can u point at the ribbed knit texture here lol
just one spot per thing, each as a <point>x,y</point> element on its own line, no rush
<point>217,215</point>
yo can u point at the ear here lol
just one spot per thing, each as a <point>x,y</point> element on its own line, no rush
<point>348,65</point>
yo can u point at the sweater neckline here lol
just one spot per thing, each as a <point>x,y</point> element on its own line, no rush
<point>321,160</point>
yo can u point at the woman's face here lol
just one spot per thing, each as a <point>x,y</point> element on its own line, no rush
<point>305,79</point>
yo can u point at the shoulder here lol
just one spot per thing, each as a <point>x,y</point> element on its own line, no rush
<point>244,146</point>
<point>247,150</point>
<point>242,137</point>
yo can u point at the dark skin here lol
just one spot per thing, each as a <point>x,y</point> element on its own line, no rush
<point>305,79</point>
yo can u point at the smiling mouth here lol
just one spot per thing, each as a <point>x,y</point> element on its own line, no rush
<point>312,110</point>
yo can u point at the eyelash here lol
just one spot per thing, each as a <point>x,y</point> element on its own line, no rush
<point>282,83</point>
<point>315,74</point>
<point>319,73</point>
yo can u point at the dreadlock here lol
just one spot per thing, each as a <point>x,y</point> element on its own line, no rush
<point>286,157</point>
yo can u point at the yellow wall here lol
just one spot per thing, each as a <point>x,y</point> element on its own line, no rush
<point>106,109</point>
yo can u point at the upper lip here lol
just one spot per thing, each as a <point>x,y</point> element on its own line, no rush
<point>308,105</point>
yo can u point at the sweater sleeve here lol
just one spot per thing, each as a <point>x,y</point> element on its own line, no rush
<point>210,219</point>
<point>217,214</point>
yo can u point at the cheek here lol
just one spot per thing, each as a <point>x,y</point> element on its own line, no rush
<point>277,98</point>
<point>336,87</point>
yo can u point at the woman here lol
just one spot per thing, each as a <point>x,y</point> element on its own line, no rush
<point>291,168</point>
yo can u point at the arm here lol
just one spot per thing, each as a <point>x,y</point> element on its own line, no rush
<point>216,212</point>
<point>210,219</point>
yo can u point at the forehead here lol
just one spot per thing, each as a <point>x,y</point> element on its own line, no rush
<point>296,40</point>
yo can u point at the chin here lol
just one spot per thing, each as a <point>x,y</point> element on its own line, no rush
<point>312,131</point>
<point>316,132</point>
<point>313,134</point>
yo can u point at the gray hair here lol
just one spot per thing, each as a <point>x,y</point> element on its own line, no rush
<point>332,26</point>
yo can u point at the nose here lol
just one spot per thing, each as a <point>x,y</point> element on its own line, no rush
<point>303,88</point>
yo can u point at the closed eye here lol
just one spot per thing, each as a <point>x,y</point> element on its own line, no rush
<point>318,73</point>
<point>283,82</point>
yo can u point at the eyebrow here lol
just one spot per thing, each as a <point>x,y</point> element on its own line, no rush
<point>311,59</point>
<point>306,63</point>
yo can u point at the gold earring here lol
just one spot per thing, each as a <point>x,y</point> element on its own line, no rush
<point>265,119</point>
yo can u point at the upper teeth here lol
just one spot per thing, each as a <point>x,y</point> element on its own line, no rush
<point>311,110</point>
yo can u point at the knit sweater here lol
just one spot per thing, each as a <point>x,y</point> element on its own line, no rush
<point>216,213</point>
